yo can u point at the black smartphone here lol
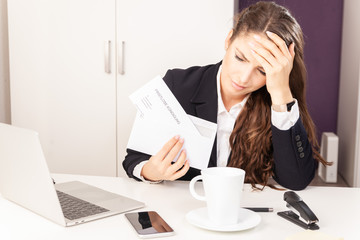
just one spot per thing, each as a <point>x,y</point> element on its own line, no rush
<point>149,224</point>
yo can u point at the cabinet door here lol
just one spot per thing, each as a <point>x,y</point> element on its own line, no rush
<point>58,83</point>
<point>161,34</point>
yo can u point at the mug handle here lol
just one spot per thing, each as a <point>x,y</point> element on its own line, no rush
<point>192,188</point>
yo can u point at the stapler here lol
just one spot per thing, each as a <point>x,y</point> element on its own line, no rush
<point>294,202</point>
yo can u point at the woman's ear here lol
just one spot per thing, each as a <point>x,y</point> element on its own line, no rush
<point>228,39</point>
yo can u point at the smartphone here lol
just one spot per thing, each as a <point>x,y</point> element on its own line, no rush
<point>149,224</point>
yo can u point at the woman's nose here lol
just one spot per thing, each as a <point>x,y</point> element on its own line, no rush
<point>245,76</point>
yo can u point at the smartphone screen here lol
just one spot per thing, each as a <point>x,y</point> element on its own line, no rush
<point>149,224</point>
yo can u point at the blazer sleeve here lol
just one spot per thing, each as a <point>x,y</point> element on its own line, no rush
<point>132,159</point>
<point>294,165</point>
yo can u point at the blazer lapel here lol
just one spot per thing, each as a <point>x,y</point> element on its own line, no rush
<point>205,100</point>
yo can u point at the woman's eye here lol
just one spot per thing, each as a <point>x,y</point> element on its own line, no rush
<point>262,72</point>
<point>238,58</point>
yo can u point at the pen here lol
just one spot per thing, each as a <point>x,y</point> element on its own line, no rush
<point>260,209</point>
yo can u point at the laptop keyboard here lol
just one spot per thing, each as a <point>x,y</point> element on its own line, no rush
<point>74,208</point>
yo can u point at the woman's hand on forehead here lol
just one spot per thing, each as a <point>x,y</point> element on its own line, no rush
<point>277,60</point>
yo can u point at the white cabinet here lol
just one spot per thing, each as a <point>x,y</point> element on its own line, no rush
<point>73,64</point>
<point>348,128</point>
<point>58,84</point>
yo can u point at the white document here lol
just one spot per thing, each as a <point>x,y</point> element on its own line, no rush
<point>160,117</point>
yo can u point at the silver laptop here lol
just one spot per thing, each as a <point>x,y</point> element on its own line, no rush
<point>25,180</point>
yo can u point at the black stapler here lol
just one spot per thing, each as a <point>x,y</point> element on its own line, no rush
<point>294,202</point>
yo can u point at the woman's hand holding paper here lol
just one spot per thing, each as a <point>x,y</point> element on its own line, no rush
<point>160,167</point>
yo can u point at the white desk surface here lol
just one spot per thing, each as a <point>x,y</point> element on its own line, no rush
<point>338,210</point>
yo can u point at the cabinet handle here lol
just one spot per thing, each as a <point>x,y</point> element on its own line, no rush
<point>107,56</point>
<point>121,58</point>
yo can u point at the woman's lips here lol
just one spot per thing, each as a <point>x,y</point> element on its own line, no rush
<point>236,86</point>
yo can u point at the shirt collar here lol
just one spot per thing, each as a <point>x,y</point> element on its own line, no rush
<point>221,108</point>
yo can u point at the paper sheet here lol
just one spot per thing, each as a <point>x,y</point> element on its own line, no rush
<point>160,117</point>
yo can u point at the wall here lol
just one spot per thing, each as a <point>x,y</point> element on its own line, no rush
<point>321,22</point>
<point>349,97</point>
<point>4,65</point>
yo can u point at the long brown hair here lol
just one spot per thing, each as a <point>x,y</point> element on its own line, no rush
<point>251,139</point>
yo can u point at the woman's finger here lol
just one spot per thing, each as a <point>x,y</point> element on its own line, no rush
<point>292,50</point>
<point>270,45</point>
<point>174,151</point>
<point>263,62</point>
<point>280,43</point>
<point>264,53</point>
<point>181,172</point>
<point>164,151</point>
<point>179,162</point>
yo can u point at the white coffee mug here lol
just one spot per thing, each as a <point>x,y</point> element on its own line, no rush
<point>223,189</point>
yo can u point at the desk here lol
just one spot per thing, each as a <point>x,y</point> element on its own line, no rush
<point>338,210</point>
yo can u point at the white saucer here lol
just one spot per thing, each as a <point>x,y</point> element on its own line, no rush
<point>247,219</point>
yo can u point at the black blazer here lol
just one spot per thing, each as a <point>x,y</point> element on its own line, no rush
<point>196,90</point>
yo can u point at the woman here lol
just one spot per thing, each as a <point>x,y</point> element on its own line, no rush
<point>256,95</point>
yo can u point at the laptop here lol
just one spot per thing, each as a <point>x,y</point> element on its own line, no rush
<point>25,180</point>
